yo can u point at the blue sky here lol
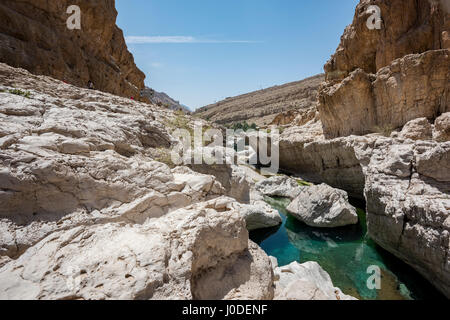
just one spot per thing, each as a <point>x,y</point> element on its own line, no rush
<point>202,51</point>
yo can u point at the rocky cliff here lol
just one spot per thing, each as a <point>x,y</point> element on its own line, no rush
<point>266,106</point>
<point>383,130</point>
<point>380,79</point>
<point>34,36</point>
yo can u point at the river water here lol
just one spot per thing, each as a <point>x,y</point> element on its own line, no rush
<point>345,253</point>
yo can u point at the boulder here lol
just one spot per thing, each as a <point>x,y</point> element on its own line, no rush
<point>307,281</point>
<point>418,129</point>
<point>198,252</point>
<point>323,206</point>
<point>279,186</point>
<point>441,131</point>
<point>259,215</point>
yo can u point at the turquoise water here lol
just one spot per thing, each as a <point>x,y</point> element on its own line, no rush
<point>345,253</point>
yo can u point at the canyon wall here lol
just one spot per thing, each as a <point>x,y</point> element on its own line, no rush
<point>382,132</point>
<point>34,36</point>
<point>404,66</point>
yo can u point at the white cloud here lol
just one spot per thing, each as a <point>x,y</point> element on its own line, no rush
<point>177,39</point>
<point>156,65</point>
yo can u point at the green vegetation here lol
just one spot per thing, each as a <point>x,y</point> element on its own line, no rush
<point>302,183</point>
<point>25,94</point>
<point>244,126</point>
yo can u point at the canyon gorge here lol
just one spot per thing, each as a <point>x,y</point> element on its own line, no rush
<point>93,208</point>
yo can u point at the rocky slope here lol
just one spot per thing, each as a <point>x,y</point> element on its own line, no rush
<point>34,36</point>
<point>88,211</point>
<point>266,106</point>
<point>391,84</point>
<point>81,190</point>
<point>163,100</point>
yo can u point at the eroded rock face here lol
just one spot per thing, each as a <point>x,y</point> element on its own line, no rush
<point>166,258</point>
<point>408,203</point>
<point>392,82</point>
<point>411,87</point>
<point>34,36</point>
<point>408,26</point>
<point>379,80</point>
<point>307,281</point>
<point>323,206</point>
<point>88,213</point>
<point>73,156</point>
<point>305,152</point>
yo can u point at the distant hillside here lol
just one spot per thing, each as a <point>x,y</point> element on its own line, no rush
<point>162,99</point>
<point>263,106</point>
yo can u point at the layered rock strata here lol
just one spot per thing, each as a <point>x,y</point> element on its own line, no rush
<point>34,36</point>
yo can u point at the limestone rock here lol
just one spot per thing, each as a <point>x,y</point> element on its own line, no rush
<point>408,26</point>
<point>442,128</point>
<point>305,152</point>
<point>323,206</point>
<point>380,79</point>
<point>233,177</point>
<point>51,146</point>
<point>34,36</point>
<point>198,252</point>
<point>259,215</point>
<point>295,117</point>
<point>279,186</point>
<point>418,129</point>
<point>408,204</point>
<point>411,87</point>
<point>307,281</point>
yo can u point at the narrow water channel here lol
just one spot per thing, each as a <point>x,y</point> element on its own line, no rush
<point>345,253</point>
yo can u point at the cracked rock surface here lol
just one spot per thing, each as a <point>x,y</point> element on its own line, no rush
<point>89,213</point>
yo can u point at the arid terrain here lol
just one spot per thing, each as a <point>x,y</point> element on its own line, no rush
<point>262,107</point>
<point>93,207</point>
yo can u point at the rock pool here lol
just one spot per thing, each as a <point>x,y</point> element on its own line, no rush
<point>345,253</point>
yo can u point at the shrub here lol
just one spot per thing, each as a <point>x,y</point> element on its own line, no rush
<point>244,126</point>
<point>25,94</point>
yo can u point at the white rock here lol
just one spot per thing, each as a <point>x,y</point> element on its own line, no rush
<point>307,281</point>
<point>279,186</point>
<point>259,215</point>
<point>323,206</point>
<point>199,252</point>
